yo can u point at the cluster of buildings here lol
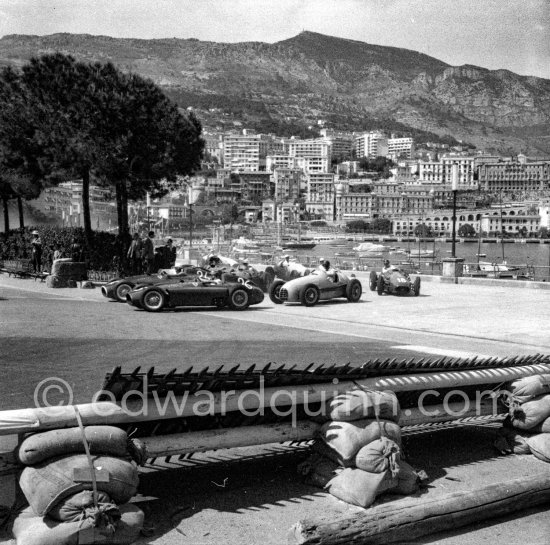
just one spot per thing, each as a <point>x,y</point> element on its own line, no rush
<point>274,179</point>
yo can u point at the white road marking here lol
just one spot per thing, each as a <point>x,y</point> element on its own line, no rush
<point>439,351</point>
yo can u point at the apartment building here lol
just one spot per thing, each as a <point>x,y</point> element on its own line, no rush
<point>466,178</point>
<point>255,186</point>
<point>316,154</point>
<point>320,187</point>
<point>287,182</point>
<point>241,152</point>
<point>400,147</point>
<point>371,144</point>
<point>516,175</point>
<point>65,202</point>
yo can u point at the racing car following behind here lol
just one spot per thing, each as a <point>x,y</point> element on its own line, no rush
<point>118,288</point>
<point>316,286</point>
<point>201,293</point>
<point>395,282</point>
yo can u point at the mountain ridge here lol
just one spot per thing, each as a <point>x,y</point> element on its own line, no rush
<point>312,76</point>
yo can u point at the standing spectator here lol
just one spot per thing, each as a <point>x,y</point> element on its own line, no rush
<point>57,251</point>
<point>135,254</point>
<point>169,254</point>
<point>36,252</point>
<point>76,250</point>
<point>148,253</point>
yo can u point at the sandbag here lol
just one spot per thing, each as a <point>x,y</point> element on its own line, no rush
<point>531,413</point>
<point>379,456</point>
<point>359,404</point>
<point>526,388</point>
<point>49,444</point>
<point>408,479</point>
<point>543,427</point>
<point>345,439</point>
<point>75,507</point>
<point>540,446</point>
<point>318,470</point>
<point>75,270</point>
<point>360,487</point>
<point>28,529</point>
<point>512,441</point>
<point>49,482</point>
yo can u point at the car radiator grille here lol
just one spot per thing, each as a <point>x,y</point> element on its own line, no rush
<point>283,294</point>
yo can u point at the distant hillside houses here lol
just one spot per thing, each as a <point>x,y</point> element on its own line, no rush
<point>272,179</point>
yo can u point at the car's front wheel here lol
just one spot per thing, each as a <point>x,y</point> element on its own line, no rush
<point>153,301</point>
<point>373,279</point>
<point>121,291</point>
<point>239,299</point>
<point>354,291</point>
<point>380,285</point>
<point>309,296</point>
<point>275,290</point>
<point>416,286</point>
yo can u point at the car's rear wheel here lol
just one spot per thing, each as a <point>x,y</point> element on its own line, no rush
<point>309,296</point>
<point>416,286</point>
<point>380,285</point>
<point>373,279</point>
<point>239,299</point>
<point>153,301</point>
<point>354,290</point>
<point>275,290</point>
<point>121,291</point>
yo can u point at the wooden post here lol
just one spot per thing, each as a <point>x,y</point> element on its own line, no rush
<point>408,519</point>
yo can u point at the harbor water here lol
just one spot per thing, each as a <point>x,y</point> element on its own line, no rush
<point>527,256</point>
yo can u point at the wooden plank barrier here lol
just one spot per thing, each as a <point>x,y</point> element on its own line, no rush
<point>146,410</point>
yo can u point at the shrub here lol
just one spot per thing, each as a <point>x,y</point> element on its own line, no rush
<point>105,247</point>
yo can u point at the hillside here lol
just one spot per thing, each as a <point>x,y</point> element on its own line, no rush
<point>348,83</point>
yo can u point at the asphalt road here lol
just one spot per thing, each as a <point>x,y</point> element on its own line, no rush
<point>79,339</point>
<point>78,335</point>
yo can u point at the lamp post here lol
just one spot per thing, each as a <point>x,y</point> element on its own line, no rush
<point>454,187</point>
<point>406,219</point>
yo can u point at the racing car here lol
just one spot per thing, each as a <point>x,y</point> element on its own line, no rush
<point>201,293</point>
<point>118,288</point>
<point>317,286</point>
<point>395,282</point>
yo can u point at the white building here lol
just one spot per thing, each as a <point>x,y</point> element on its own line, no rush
<point>371,144</point>
<point>400,147</point>
<point>241,152</point>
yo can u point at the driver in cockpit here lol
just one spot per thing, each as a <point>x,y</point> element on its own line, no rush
<point>330,272</point>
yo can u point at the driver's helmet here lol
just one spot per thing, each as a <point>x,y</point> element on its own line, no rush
<point>386,262</point>
<point>321,261</point>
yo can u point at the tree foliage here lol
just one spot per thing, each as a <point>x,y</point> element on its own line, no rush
<point>91,119</point>
<point>466,230</point>
<point>423,230</point>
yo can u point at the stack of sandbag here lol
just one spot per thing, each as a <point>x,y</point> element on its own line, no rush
<point>358,453</point>
<point>66,273</point>
<point>57,481</point>
<point>527,427</point>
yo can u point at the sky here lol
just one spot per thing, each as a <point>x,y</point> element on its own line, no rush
<point>495,34</point>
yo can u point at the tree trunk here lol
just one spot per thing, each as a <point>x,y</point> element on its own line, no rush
<point>118,193</point>
<point>21,215</point>
<point>86,206</point>
<point>6,216</point>
<point>122,216</point>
